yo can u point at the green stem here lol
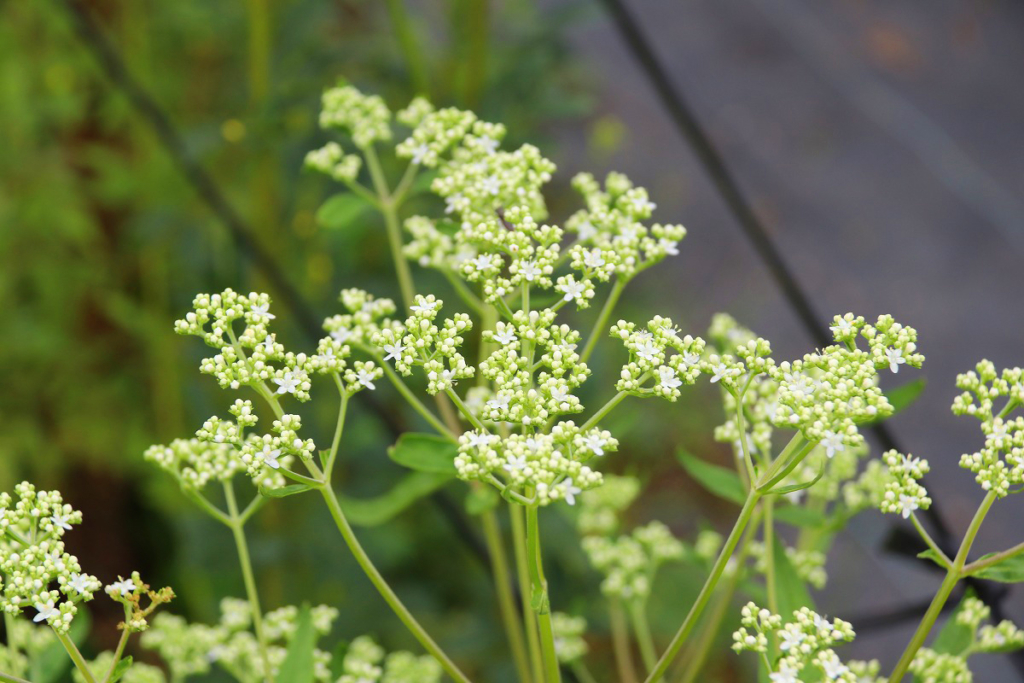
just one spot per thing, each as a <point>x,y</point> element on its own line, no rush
<point>76,657</point>
<point>506,601</point>
<point>946,562</point>
<point>582,673</point>
<point>605,409</point>
<point>413,401</point>
<point>637,614</point>
<point>540,600</point>
<point>523,574</point>
<point>7,678</point>
<point>978,565</point>
<point>464,409</point>
<point>338,429</point>
<point>953,575</point>
<point>206,506</point>
<point>620,642</point>
<point>248,578</point>
<point>769,555</point>
<point>709,586</point>
<point>119,652</point>
<point>464,292</point>
<point>388,210</point>
<point>400,610</point>
<point>602,319</point>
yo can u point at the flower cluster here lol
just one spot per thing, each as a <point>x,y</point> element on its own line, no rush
<point>365,662</point>
<point>36,570</point>
<point>420,342</point>
<point>629,562</point>
<point>1000,463</point>
<point>548,465</point>
<point>265,454</point>
<point>599,514</point>
<point>130,593</point>
<point>659,354</point>
<point>138,673</point>
<point>903,494</point>
<point>804,642</point>
<point>808,564</point>
<point>568,631</point>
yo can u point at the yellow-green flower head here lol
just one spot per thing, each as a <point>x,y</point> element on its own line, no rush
<point>365,117</point>
<point>1000,463</point>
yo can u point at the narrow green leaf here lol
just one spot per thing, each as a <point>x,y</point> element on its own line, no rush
<point>284,491</point>
<point>718,480</point>
<point>930,554</point>
<point>338,660</point>
<point>954,638</point>
<point>380,509</point>
<point>341,210</point>
<point>1010,570</point>
<point>298,661</point>
<point>120,670</point>
<point>790,589</point>
<point>425,453</point>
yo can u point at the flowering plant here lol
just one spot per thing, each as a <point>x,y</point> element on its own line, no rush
<point>504,365</point>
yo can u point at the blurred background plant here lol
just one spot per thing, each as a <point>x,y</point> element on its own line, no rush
<point>105,241</point>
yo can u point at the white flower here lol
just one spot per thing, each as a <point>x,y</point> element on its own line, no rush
<point>341,335</point>
<point>559,396</point>
<point>482,262</point>
<point>79,583</point>
<point>269,454</point>
<point>491,184</point>
<point>124,587</point>
<point>586,230</point>
<point>896,359</point>
<point>419,154</point>
<point>572,290</point>
<point>791,638</point>
<point>425,307</point>
<point>514,464</point>
<point>478,440</point>
<point>60,521</point>
<point>529,270</point>
<point>671,247</point>
<point>506,337</point>
<point>262,311</point>
<point>842,328</point>
<point>667,377</point>
<point>287,384</point>
<point>721,370</point>
<point>395,351</point>
<point>487,143</point>
<point>690,359</point>
<point>907,505</point>
<point>365,378</point>
<point>45,611</point>
<point>833,668</point>
<point>786,674</point>
<point>268,344</point>
<point>648,352</point>
<point>452,202</point>
<point>832,442</point>
<point>499,402</point>
<point>642,204</point>
<point>571,490</point>
<point>592,259</point>
<point>595,443</point>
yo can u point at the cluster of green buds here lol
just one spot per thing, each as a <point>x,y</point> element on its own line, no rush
<point>193,649</point>
<point>808,563</point>
<point>1000,464</point>
<point>630,562</point>
<point>37,573</point>
<point>568,631</point>
<point>804,643</point>
<point>130,593</point>
<point>903,494</point>
<point>658,354</point>
<point>26,643</point>
<point>366,662</point>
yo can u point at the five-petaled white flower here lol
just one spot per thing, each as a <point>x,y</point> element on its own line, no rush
<point>505,337</point>
<point>268,344</point>
<point>478,440</point>
<point>593,259</point>
<point>668,378</point>
<point>572,290</point>
<point>895,358</point>
<point>721,371</point>
<point>269,454</point>
<point>671,247</point>
<point>60,521</point>
<point>45,611</point>
<point>489,144</point>
<point>395,351</point>
<point>262,311</point>
<point>647,351</point>
<point>791,638</point>
<point>529,270</point>
<point>124,587</point>
<point>842,328</point>
<point>832,442</point>
<point>571,491</point>
<point>595,443</point>
<point>514,464</point>
<point>288,384</point>
<point>499,402</point>
<point>834,668</point>
<point>425,307</point>
<point>451,203</point>
<point>907,505</point>
<point>560,396</point>
<point>341,335</point>
<point>690,359</point>
<point>643,204</point>
<point>365,377</point>
<point>586,230</point>
<point>80,583</point>
<point>482,263</point>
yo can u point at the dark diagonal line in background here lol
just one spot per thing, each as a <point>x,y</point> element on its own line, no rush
<point>209,191</point>
<point>676,106</point>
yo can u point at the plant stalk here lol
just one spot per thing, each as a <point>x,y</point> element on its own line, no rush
<point>506,601</point>
<point>620,642</point>
<point>539,598</point>
<point>523,573</point>
<point>76,657</point>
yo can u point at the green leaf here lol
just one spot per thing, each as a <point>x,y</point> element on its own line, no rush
<point>798,515</point>
<point>425,453</point>
<point>284,491</point>
<point>718,480</point>
<point>338,660</point>
<point>930,554</point>
<point>380,509</point>
<point>341,210</point>
<point>298,661</point>
<point>120,670</point>
<point>481,499</point>
<point>954,638</point>
<point>1010,570</point>
<point>790,590</point>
